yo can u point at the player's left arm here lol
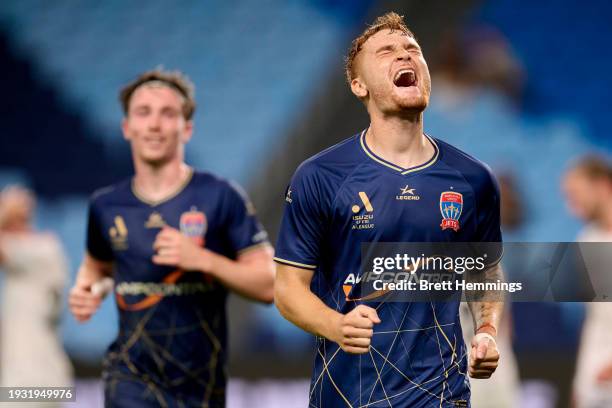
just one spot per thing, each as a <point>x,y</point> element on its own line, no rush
<point>486,308</point>
<point>250,275</point>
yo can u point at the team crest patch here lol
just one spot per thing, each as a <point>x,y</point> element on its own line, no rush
<point>451,205</point>
<point>194,224</point>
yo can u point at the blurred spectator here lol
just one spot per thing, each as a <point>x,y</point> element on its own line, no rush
<point>512,207</point>
<point>588,189</point>
<point>479,58</point>
<point>31,353</point>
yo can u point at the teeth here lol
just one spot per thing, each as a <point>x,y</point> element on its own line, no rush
<point>404,71</point>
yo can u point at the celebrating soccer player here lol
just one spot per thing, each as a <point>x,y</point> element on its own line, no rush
<point>390,182</point>
<point>175,241</point>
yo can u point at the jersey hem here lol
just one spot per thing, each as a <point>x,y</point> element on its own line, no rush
<point>292,263</point>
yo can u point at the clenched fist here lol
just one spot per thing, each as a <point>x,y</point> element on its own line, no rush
<point>353,331</point>
<point>82,302</point>
<point>175,249</point>
<point>484,356</point>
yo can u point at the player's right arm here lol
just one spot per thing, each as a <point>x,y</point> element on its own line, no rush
<point>97,264</point>
<point>306,216</point>
<point>83,302</point>
<point>352,331</point>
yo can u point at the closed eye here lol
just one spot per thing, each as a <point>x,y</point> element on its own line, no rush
<point>385,50</point>
<point>141,111</point>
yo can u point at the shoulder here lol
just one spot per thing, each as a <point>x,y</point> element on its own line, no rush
<point>477,173</point>
<point>110,194</point>
<point>332,165</point>
<point>228,192</point>
<point>211,181</point>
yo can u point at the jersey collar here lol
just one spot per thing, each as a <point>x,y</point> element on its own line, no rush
<point>395,167</point>
<point>169,197</point>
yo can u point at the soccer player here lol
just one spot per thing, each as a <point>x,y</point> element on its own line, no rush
<point>390,182</point>
<point>588,189</point>
<point>175,241</point>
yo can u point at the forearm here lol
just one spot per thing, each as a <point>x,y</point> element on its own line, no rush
<point>92,271</point>
<point>254,279</point>
<point>301,307</point>
<point>487,306</point>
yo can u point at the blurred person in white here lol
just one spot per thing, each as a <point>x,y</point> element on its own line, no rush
<point>588,190</point>
<point>31,353</point>
<point>502,389</point>
<point>470,62</point>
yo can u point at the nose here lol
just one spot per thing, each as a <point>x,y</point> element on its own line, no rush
<point>154,122</point>
<point>403,55</point>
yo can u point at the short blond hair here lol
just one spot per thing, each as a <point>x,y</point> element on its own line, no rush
<point>389,21</point>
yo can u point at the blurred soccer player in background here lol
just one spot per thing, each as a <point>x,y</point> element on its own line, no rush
<point>31,353</point>
<point>175,241</point>
<point>391,183</point>
<point>588,189</point>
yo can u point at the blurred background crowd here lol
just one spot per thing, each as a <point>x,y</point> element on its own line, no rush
<point>520,85</point>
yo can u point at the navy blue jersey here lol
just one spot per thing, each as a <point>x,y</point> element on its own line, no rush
<point>171,347</point>
<point>345,196</point>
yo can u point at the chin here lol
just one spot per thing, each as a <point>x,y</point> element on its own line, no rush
<point>154,160</point>
<point>412,106</point>
<point>411,103</point>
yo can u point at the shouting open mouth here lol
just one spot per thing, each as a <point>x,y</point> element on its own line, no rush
<point>405,78</point>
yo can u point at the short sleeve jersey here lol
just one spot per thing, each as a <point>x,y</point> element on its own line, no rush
<point>346,196</point>
<point>172,331</point>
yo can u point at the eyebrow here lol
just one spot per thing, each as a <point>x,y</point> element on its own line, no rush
<point>388,47</point>
<point>391,47</point>
<point>147,106</point>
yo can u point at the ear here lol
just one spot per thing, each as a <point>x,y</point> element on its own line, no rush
<point>124,128</point>
<point>359,88</point>
<point>188,131</point>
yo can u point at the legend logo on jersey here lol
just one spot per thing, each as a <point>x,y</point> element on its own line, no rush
<point>193,224</point>
<point>408,194</point>
<point>155,221</point>
<point>288,196</point>
<point>451,205</point>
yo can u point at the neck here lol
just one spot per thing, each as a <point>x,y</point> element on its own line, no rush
<point>156,182</point>
<point>399,140</point>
